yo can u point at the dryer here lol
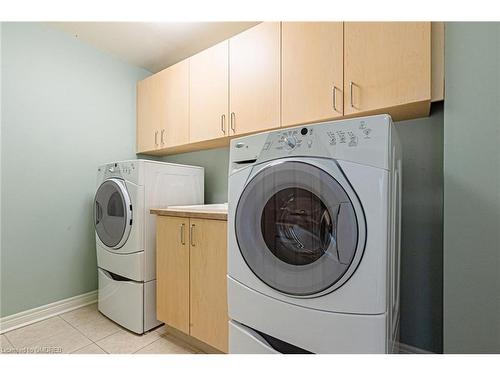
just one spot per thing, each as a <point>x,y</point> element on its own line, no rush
<point>126,231</point>
<point>313,239</point>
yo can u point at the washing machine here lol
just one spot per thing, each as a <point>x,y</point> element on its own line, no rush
<point>314,239</point>
<point>126,233</point>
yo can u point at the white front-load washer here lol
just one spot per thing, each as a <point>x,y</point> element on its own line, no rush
<point>126,231</point>
<point>313,239</point>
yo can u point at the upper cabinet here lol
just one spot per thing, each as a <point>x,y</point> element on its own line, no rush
<point>209,94</point>
<point>312,71</point>
<point>163,109</point>
<point>174,121</point>
<point>387,64</point>
<point>254,79</point>
<point>148,108</point>
<point>283,74</point>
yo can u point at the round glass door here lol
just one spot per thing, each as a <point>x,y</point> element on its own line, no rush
<point>296,228</point>
<point>112,213</point>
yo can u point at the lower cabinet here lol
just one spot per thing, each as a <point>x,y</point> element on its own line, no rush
<point>191,277</point>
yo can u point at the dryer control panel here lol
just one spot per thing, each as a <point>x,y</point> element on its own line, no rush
<point>126,170</point>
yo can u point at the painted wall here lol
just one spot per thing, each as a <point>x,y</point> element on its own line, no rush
<point>472,189</point>
<point>66,108</point>
<point>422,231</point>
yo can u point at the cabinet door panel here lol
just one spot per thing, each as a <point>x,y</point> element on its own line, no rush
<point>209,93</point>
<point>386,64</point>
<point>312,71</point>
<point>254,78</point>
<point>209,316</point>
<point>147,113</point>
<point>174,114</point>
<point>172,268</point>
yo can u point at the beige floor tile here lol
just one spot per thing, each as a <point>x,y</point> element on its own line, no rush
<point>160,330</point>
<point>5,346</point>
<point>23,337</point>
<point>164,345</point>
<point>125,342</point>
<point>83,315</point>
<point>66,342</point>
<point>98,328</point>
<point>90,349</point>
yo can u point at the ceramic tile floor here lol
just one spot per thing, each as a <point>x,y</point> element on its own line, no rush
<point>87,331</point>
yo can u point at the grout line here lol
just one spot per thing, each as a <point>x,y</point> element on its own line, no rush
<point>91,343</point>
<point>105,337</point>
<point>39,338</point>
<point>145,346</point>
<point>104,350</point>
<point>11,344</point>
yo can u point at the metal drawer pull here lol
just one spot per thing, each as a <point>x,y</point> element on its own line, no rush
<point>223,123</point>
<point>233,117</point>
<point>351,84</point>
<point>162,132</point>
<point>335,88</point>
<point>191,234</point>
<point>156,138</point>
<point>183,240</point>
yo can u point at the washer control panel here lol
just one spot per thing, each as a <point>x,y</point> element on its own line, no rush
<point>305,137</point>
<point>362,140</point>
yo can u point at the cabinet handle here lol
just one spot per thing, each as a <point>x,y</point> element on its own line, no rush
<point>183,240</point>
<point>161,138</point>
<point>223,123</point>
<point>335,88</point>
<point>351,84</point>
<point>156,138</point>
<point>191,234</point>
<point>233,117</point>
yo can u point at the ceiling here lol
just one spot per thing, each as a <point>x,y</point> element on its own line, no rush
<point>152,45</point>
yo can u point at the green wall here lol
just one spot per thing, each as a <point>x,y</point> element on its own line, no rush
<point>472,188</point>
<point>66,108</point>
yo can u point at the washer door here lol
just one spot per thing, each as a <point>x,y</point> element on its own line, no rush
<point>112,213</point>
<point>297,228</point>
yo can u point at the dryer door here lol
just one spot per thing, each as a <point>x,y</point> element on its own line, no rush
<point>298,228</point>
<point>112,213</point>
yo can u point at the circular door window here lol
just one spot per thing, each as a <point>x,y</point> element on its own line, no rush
<point>112,213</point>
<point>296,228</point>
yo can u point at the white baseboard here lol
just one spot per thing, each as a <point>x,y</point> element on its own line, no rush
<point>8,323</point>
<point>408,349</point>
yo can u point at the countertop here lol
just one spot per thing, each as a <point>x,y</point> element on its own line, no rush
<point>199,211</point>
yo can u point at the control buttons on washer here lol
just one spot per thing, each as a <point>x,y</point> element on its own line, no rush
<point>353,139</point>
<point>341,136</point>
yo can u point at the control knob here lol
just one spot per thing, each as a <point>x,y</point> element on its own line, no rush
<point>290,141</point>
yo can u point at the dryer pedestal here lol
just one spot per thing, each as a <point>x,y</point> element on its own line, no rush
<point>121,300</point>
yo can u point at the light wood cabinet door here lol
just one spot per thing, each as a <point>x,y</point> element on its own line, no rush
<point>209,93</point>
<point>209,315</point>
<point>174,99</point>
<point>386,64</point>
<point>172,272</point>
<point>254,79</point>
<point>312,71</point>
<point>147,114</point>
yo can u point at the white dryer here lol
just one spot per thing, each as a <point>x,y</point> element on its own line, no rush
<point>313,239</point>
<point>125,233</point>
